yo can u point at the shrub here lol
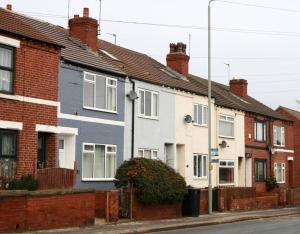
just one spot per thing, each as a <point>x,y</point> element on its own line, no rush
<point>27,182</point>
<point>271,183</point>
<point>154,182</point>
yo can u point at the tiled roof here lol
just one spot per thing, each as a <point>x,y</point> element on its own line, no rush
<point>291,111</point>
<point>73,50</point>
<point>143,67</point>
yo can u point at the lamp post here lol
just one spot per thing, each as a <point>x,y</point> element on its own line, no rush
<point>209,110</point>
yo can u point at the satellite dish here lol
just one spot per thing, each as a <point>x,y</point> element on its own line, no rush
<point>223,144</point>
<point>188,119</point>
<point>132,95</point>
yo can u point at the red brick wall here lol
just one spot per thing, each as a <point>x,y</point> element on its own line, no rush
<point>260,149</point>
<point>107,205</point>
<point>294,197</point>
<point>36,75</point>
<point>151,212</point>
<point>39,211</point>
<point>203,201</point>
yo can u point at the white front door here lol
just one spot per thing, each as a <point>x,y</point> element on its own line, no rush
<point>248,172</point>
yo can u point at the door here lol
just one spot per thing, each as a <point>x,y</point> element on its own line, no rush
<point>248,172</point>
<point>62,152</point>
<point>41,162</point>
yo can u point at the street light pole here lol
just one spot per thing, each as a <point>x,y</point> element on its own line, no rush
<point>209,111</point>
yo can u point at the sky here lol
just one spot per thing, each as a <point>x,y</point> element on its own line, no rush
<point>261,43</point>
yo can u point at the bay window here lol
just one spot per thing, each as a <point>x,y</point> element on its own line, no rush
<point>260,133</point>
<point>99,161</point>
<point>200,114</point>
<point>226,126</point>
<point>6,69</point>
<point>226,172</point>
<point>100,93</point>
<point>148,104</point>
<point>200,166</point>
<point>279,136</point>
<point>279,172</point>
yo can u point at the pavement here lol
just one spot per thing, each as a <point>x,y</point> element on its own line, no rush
<point>127,227</point>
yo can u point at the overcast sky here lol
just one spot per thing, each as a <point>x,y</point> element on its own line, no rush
<point>265,50</point>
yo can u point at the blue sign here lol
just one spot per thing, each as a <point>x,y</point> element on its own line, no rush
<point>214,152</point>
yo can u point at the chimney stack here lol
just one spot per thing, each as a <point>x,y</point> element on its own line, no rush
<point>239,87</point>
<point>85,29</point>
<point>9,7</point>
<point>177,59</point>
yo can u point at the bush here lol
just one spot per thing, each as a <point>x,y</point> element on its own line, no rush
<point>154,182</point>
<point>271,183</point>
<point>27,182</point>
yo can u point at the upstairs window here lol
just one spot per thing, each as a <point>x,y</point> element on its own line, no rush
<point>279,136</point>
<point>148,153</point>
<point>226,126</point>
<point>200,115</point>
<point>148,104</point>
<point>100,93</point>
<point>260,133</point>
<point>6,69</point>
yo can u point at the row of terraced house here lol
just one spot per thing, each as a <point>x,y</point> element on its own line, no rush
<point>68,98</point>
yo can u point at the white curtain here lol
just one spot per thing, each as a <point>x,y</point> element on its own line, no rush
<point>88,161</point>
<point>99,169</point>
<point>8,145</point>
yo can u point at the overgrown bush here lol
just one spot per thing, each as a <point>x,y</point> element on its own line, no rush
<point>27,182</point>
<point>154,182</point>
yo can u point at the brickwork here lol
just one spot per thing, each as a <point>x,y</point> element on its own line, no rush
<point>203,201</point>
<point>107,205</point>
<point>177,59</point>
<point>36,76</point>
<point>39,211</point>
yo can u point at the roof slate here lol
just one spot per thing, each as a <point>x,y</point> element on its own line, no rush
<point>292,112</point>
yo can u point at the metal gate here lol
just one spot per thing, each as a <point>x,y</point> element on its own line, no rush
<point>124,203</point>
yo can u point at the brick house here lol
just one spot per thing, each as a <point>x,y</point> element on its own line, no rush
<point>269,141</point>
<point>295,116</point>
<point>29,63</point>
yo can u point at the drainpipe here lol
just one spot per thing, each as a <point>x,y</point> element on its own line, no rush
<point>132,119</point>
<point>270,148</point>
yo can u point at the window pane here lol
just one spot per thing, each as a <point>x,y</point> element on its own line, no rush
<point>100,92</point>
<point>226,175</point>
<point>89,147</point>
<point>5,57</point>
<point>226,128</point>
<point>110,165</point>
<point>154,154</point>
<point>5,81</point>
<point>142,102</point>
<point>61,144</point>
<point>199,166</point>
<point>89,77</point>
<point>147,154</point>
<point>87,167</point>
<point>195,166</point>
<point>99,169</point>
<point>200,120</point>
<point>230,119</point>
<point>148,103</point>
<point>111,99</point>
<point>204,166</point>
<point>111,82</point>
<point>111,149</point>
<point>282,136</point>
<point>260,170</point>
<point>155,104</point>
<point>8,145</point>
<point>223,163</point>
<point>195,113</point>
<point>140,153</point>
<point>88,94</point>
<point>259,131</point>
<point>205,115</point>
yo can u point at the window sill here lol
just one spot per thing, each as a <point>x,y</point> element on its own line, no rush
<point>262,142</point>
<point>100,110</point>
<point>227,137</point>
<point>201,126</point>
<point>145,117</point>
<point>281,146</point>
<point>97,180</point>
<point>226,184</point>
<point>283,182</point>
<point>199,178</point>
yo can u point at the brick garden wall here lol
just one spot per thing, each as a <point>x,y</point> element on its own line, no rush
<point>26,211</point>
<point>107,205</point>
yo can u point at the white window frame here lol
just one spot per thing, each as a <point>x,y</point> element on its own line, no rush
<point>228,121</point>
<point>93,151</point>
<point>282,171</point>
<point>152,104</point>
<point>264,129</point>
<point>282,136</point>
<point>196,122</point>
<point>227,162</point>
<point>152,151</point>
<point>202,176</point>
<point>106,88</point>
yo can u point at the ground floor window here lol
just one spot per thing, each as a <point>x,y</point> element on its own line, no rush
<point>260,170</point>
<point>200,166</point>
<point>99,161</point>
<point>279,172</point>
<point>226,172</point>
<point>148,153</point>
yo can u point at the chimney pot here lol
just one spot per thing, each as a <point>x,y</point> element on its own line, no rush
<point>239,87</point>
<point>177,59</point>
<point>86,12</point>
<point>9,7</point>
